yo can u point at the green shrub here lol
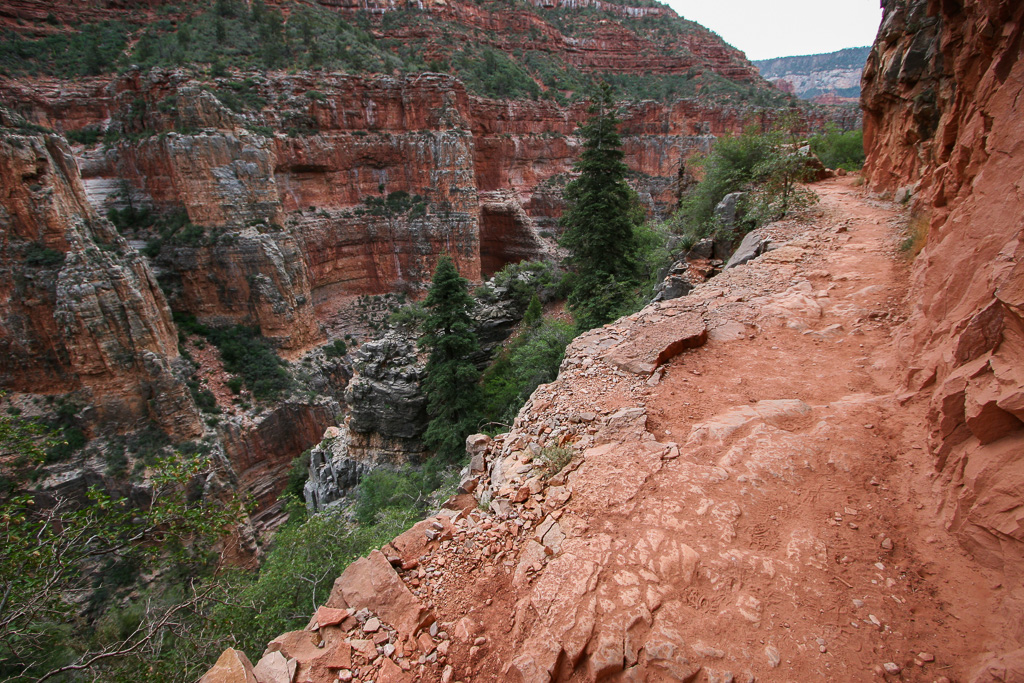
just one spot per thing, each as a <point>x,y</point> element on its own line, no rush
<point>38,256</point>
<point>297,476</point>
<point>90,51</point>
<point>204,398</point>
<point>244,353</point>
<point>131,219</point>
<point>531,359</point>
<point>409,317</point>
<point>85,136</point>
<point>838,149</point>
<point>554,459</point>
<point>305,557</point>
<point>235,385</point>
<point>336,349</point>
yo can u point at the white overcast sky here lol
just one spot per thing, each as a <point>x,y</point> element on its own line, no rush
<point>780,28</point>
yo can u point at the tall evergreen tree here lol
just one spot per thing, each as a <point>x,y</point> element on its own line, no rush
<point>451,385</point>
<point>600,221</point>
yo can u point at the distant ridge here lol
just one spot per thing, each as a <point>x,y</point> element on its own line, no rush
<point>832,77</point>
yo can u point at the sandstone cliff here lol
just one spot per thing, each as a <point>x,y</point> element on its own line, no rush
<point>943,121</point>
<point>813,77</point>
<point>82,311</point>
<point>367,182</point>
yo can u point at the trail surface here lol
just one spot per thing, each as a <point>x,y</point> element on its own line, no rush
<point>791,538</point>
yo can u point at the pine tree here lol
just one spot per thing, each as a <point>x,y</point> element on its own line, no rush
<point>451,385</point>
<point>534,314</point>
<point>600,221</point>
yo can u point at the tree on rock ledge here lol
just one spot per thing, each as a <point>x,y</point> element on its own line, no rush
<point>451,385</point>
<point>600,221</point>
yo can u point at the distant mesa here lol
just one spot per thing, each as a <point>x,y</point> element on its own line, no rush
<point>832,78</point>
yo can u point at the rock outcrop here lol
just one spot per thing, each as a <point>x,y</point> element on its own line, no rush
<point>81,309</point>
<point>833,77</point>
<point>363,182</point>
<point>943,122</point>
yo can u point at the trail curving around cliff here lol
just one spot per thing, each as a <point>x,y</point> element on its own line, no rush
<point>759,507</point>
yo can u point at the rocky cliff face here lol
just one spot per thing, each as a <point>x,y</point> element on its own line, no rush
<point>367,181</point>
<point>82,311</point>
<point>833,77</point>
<point>942,100</point>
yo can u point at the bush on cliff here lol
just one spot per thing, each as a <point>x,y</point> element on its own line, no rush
<point>451,378</point>
<point>70,604</point>
<point>529,360</point>
<point>297,574</point>
<point>767,166</point>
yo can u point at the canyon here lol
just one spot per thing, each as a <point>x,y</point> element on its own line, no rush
<point>314,189</point>
<point>806,468</point>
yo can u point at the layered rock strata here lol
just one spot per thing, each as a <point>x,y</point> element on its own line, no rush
<point>365,181</point>
<point>81,309</point>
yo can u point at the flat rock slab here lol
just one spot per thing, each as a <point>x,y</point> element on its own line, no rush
<point>651,345</point>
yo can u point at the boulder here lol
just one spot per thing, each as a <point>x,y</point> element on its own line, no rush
<point>672,287</point>
<point>232,667</point>
<point>727,209</point>
<point>750,248</point>
<point>275,668</point>
<point>653,345</point>
<point>371,583</point>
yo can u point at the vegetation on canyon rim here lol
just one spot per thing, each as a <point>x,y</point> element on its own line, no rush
<point>231,34</point>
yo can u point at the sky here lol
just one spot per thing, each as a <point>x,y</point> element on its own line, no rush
<point>780,28</point>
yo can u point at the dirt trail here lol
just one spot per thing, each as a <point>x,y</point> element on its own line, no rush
<point>772,527</point>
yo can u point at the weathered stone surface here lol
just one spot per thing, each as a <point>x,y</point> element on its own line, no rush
<point>726,211</point>
<point>89,317</point>
<point>232,667</point>
<point>941,95</point>
<point>724,425</point>
<point>651,346</point>
<point>752,246</point>
<point>371,583</point>
<point>273,667</point>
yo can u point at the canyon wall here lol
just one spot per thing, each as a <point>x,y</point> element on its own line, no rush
<point>333,186</point>
<point>944,119</point>
<point>81,310</point>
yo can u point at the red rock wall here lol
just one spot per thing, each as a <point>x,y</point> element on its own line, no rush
<point>87,315</point>
<point>373,136</point>
<point>261,455</point>
<point>942,94</point>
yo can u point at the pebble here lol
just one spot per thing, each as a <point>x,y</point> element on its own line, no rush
<point>774,658</point>
<point>858,603</point>
<point>886,544</point>
<point>891,668</point>
<point>372,625</point>
<point>926,656</point>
